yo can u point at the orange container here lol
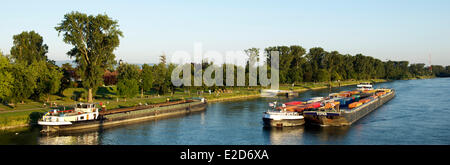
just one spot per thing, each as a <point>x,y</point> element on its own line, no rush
<point>354,105</point>
<point>328,106</point>
<point>345,94</point>
<point>364,101</point>
<point>381,93</point>
<point>354,92</point>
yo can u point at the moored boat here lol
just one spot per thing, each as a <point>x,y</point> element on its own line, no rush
<point>88,116</point>
<point>82,112</point>
<point>280,117</point>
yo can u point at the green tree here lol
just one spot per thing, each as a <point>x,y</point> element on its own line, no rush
<point>68,75</point>
<point>127,80</point>
<point>404,70</point>
<point>24,81</point>
<point>29,47</point>
<point>94,39</point>
<point>251,65</point>
<point>295,70</point>
<point>438,70</point>
<point>128,71</point>
<point>323,75</point>
<point>160,73</point>
<point>127,88</point>
<point>146,82</point>
<point>335,76</point>
<point>48,80</point>
<point>380,69</point>
<point>168,82</point>
<point>316,58</point>
<point>417,69</point>
<point>6,78</point>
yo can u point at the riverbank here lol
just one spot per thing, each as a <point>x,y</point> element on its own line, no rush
<point>322,85</point>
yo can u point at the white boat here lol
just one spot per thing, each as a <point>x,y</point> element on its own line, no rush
<point>364,86</point>
<point>315,99</point>
<point>82,112</point>
<point>269,92</point>
<point>282,118</point>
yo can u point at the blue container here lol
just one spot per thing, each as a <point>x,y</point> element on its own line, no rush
<point>345,101</point>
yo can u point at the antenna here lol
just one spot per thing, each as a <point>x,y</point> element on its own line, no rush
<point>429,61</point>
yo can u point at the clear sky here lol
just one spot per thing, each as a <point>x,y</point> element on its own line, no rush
<point>385,29</point>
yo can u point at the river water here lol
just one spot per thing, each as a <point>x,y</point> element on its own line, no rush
<point>419,114</point>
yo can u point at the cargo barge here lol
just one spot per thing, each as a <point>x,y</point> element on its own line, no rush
<point>338,109</point>
<point>351,110</point>
<point>88,116</point>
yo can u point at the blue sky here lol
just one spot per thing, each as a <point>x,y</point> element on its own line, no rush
<point>385,29</point>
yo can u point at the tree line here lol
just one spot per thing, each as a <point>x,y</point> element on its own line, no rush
<point>27,73</point>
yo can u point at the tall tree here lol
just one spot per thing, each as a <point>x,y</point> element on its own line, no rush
<point>48,80</point>
<point>160,72</point>
<point>168,82</point>
<point>316,58</point>
<point>29,47</point>
<point>296,71</point>
<point>24,81</point>
<point>127,80</point>
<point>70,76</point>
<point>94,39</point>
<point>251,65</point>
<point>6,78</point>
<point>146,82</point>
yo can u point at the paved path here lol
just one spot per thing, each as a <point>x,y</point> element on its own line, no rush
<point>22,110</point>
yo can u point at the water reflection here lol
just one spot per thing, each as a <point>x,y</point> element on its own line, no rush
<point>306,134</point>
<point>285,135</point>
<point>327,134</point>
<point>86,138</point>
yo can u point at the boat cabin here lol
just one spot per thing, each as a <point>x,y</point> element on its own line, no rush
<point>364,86</point>
<point>85,107</point>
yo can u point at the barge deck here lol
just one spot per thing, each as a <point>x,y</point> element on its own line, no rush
<point>345,116</point>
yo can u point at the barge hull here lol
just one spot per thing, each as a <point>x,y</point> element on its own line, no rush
<point>129,117</point>
<point>282,123</point>
<point>346,118</point>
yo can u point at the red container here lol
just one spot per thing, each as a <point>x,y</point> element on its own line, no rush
<point>314,105</point>
<point>294,103</point>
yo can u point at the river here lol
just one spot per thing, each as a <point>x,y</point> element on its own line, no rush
<point>418,115</point>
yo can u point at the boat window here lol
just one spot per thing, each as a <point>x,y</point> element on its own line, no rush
<point>82,118</point>
<point>84,106</point>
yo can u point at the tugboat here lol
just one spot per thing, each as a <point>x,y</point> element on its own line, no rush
<point>279,117</point>
<point>83,112</point>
